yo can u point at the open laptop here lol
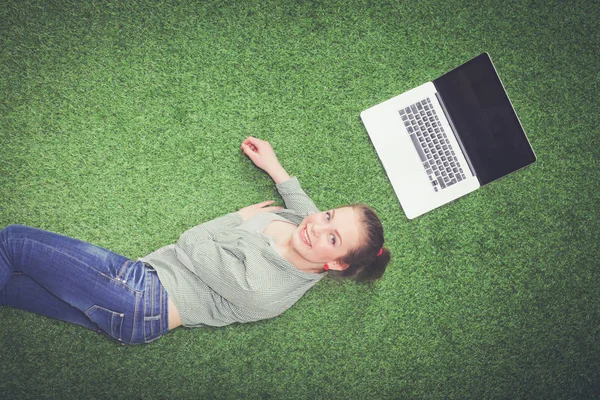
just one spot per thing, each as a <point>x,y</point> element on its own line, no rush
<point>448,137</point>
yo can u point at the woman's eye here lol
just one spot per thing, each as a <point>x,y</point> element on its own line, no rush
<point>332,239</point>
<point>328,216</point>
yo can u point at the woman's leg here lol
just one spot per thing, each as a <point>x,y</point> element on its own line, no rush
<point>24,293</point>
<point>108,288</point>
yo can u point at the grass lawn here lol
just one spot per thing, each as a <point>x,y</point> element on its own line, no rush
<point>120,124</point>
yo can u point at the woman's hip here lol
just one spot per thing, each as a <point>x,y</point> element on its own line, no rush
<point>138,312</point>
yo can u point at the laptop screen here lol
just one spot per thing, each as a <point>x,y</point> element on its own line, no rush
<point>484,119</point>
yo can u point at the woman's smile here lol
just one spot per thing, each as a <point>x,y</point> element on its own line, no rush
<point>305,236</point>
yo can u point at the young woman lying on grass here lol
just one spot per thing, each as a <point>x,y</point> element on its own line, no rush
<point>245,266</point>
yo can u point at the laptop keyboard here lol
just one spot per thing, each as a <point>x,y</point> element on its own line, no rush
<point>430,141</point>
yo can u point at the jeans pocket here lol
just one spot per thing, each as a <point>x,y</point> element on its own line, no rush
<point>109,321</point>
<point>152,328</point>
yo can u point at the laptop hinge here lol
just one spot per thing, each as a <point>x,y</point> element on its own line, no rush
<point>462,147</point>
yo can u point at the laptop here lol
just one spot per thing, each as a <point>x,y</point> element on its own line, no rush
<point>446,138</point>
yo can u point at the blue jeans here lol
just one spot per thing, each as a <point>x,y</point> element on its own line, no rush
<point>74,281</point>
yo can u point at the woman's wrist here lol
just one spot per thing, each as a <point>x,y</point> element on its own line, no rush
<point>278,174</point>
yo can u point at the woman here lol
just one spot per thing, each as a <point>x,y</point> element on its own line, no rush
<point>245,266</point>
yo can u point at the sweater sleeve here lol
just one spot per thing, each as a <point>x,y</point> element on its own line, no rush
<point>295,198</point>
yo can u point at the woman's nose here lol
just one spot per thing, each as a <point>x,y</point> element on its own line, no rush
<point>318,229</point>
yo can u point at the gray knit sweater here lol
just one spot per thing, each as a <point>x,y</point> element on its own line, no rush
<point>226,271</point>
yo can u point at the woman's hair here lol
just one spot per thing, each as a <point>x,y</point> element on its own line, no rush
<point>367,262</point>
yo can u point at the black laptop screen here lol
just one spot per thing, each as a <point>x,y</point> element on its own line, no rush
<point>484,119</point>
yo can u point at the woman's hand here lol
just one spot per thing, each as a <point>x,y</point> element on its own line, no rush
<point>262,155</point>
<point>250,211</point>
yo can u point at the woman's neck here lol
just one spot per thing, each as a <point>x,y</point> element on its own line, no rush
<point>301,264</point>
<point>281,232</point>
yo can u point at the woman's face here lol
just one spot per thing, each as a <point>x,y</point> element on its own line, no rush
<point>327,236</point>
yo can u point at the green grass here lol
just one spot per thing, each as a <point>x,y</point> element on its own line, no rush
<point>120,124</point>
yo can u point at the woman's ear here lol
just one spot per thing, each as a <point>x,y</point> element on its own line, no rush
<point>337,266</point>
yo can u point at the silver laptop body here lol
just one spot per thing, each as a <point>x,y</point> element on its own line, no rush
<point>421,147</point>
